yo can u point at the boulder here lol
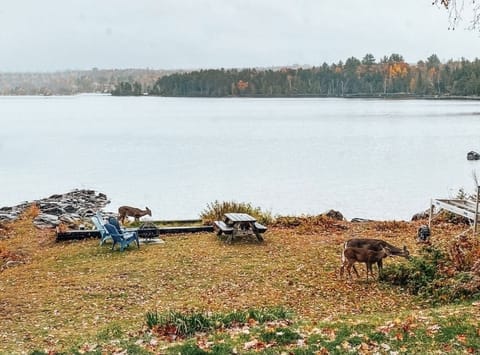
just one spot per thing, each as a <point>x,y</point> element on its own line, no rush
<point>421,215</point>
<point>473,155</point>
<point>335,215</point>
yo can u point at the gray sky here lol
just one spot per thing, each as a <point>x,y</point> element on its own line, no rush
<point>55,35</point>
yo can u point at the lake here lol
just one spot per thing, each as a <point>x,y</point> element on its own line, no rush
<point>377,159</point>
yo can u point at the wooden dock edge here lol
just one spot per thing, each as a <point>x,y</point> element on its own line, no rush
<point>142,232</point>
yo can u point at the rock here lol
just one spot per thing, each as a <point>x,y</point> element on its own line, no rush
<point>7,217</point>
<point>335,215</point>
<point>473,155</point>
<point>421,215</point>
<point>361,220</point>
<point>56,211</point>
<point>66,218</point>
<point>71,208</point>
<point>49,218</point>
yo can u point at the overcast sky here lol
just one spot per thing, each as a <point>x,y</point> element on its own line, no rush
<point>53,35</point>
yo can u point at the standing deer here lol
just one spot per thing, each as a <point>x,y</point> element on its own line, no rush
<point>375,245</point>
<point>126,211</point>
<point>352,255</point>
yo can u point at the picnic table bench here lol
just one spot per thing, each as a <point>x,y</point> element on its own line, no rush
<point>239,224</point>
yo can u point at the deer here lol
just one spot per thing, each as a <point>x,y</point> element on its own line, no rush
<point>375,245</point>
<point>351,255</point>
<point>126,211</point>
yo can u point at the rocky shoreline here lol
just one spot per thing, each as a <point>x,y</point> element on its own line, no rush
<point>74,208</point>
<point>70,208</point>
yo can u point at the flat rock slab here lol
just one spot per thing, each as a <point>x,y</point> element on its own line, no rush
<point>151,241</point>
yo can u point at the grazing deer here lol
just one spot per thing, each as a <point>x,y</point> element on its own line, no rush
<point>376,245</point>
<point>352,255</point>
<point>126,211</point>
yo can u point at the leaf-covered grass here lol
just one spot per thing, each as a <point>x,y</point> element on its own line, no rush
<point>79,297</point>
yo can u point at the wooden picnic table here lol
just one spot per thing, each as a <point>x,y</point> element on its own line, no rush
<point>238,225</point>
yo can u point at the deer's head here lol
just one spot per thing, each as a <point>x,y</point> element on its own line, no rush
<point>148,211</point>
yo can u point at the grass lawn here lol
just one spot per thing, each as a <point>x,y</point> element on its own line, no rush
<point>80,297</point>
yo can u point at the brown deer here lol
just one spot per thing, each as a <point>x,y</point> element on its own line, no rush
<point>126,211</point>
<point>352,255</point>
<point>376,245</point>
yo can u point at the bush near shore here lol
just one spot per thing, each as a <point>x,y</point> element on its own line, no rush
<point>77,297</point>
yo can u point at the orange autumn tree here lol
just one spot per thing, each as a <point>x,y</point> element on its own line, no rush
<point>242,85</point>
<point>395,74</point>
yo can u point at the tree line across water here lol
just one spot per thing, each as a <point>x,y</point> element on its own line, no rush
<point>391,76</point>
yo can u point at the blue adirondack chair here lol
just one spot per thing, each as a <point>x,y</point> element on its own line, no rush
<point>98,222</point>
<point>124,240</point>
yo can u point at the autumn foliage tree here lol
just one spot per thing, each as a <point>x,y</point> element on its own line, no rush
<point>354,77</point>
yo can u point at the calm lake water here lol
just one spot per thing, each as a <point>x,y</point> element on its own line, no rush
<point>374,159</point>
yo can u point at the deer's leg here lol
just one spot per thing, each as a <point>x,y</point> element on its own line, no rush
<point>380,266</point>
<point>369,269</point>
<point>342,268</point>
<point>355,270</point>
<point>349,267</point>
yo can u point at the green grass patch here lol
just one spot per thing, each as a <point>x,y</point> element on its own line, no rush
<point>187,324</point>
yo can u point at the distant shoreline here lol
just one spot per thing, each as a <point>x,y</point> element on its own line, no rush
<point>349,96</point>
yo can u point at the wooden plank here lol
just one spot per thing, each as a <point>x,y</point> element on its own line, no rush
<point>142,233</point>
<point>179,221</point>
<point>260,227</point>
<point>239,217</point>
<point>462,204</point>
<point>475,224</point>
<point>444,204</point>
<point>179,230</point>
<point>77,235</point>
<point>223,227</point>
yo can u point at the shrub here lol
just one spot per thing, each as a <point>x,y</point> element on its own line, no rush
<point>310,224</point>
<point>417,273</point>
<point>152,319</point>
<point>464,253</point>
<point>181,324</point>
<point>187,324</point>
<point>435,276</point>
<point>215,211</point>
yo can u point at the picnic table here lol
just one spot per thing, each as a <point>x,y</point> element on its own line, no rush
<point>239,225</point>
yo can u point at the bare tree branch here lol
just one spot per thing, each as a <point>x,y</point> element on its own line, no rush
<point>457,8</point>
